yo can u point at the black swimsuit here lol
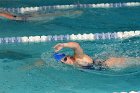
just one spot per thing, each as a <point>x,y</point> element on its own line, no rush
<point>96,65</point>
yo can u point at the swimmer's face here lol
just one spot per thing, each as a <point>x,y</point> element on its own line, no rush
<point>68,60</point>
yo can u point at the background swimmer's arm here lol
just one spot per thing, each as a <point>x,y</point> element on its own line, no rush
<point>10,16</point>
<point>78,51</point>
<point>7,15</point>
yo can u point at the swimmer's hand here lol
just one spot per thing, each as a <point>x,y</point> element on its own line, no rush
<point>58,47</point>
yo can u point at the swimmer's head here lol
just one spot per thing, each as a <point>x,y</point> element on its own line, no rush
<point>68,60</point>
<point>63,58</point>
<point>59,56</point>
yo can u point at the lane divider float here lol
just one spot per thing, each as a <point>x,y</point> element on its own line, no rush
<point>71,6</point>
<point>73,37</point>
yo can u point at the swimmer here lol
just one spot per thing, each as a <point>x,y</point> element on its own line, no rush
<point>82,60</point>
<point>38,16</point>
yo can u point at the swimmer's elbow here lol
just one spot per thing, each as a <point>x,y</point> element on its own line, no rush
<point>74,44</point>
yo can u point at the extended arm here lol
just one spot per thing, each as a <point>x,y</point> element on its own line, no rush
<point>78,51</point>
<point>6,15</point>
<point>10,16</point>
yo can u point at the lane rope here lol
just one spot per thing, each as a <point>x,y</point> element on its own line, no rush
<point>73,37</point>
<point>71,6</point>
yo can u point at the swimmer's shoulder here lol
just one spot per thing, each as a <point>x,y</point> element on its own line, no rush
<point>84,60</point>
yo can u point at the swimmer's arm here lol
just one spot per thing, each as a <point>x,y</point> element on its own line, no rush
<point>6,15</point>
<point>10,16</point>
<point>73,45</point>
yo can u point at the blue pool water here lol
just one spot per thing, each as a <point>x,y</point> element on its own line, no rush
<point>21,68</point>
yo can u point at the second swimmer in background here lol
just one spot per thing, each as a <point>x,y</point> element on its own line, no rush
<point>35,16</point>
